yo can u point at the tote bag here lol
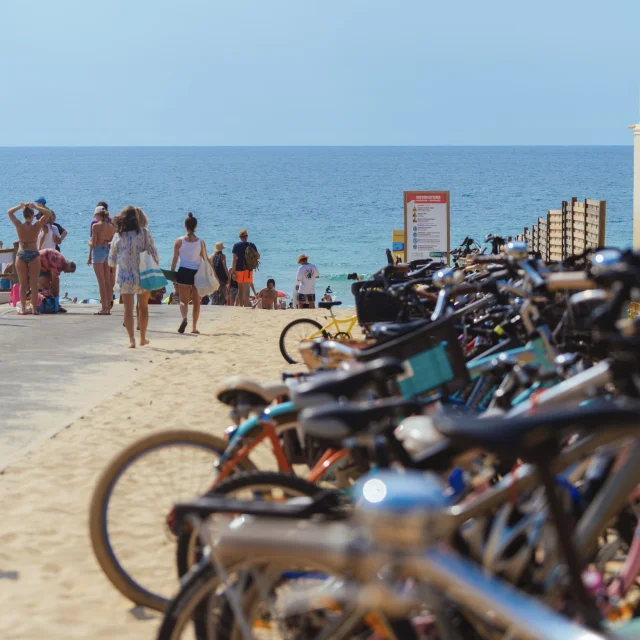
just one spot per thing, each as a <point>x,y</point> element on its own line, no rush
<point>205,279</point>
<point>151,277</point>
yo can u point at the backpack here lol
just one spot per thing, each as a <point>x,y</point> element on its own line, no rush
<point>251,258</point>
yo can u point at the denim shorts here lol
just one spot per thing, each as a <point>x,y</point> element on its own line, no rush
<point>100,254</point>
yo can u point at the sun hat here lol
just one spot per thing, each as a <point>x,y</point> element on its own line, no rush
<point>220,246</point>
<point>100,209</point>
<point>41,201</point>
<point>302,257</point>
<point>243,232</point>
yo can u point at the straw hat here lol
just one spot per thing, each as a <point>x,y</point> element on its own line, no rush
<point>220,246</point>
<point>243,232</point>
<point>302,257</point>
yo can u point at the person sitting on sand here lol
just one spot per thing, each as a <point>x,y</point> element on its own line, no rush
<point>52,264</point>
<point>128,243</point>
<point>267,298</point>
<point>101,235</point>
<point>190,251</point>
<point>28,259</point>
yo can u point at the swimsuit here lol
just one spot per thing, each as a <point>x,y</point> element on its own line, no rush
<point>28,255</point>
<point>100,253</point>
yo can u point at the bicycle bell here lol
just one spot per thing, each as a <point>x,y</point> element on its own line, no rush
<point>401,509</point>
<point>517,250</point>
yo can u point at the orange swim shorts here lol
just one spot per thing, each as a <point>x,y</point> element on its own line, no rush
<point>244,277</point>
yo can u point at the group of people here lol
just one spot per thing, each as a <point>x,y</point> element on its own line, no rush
<point>39,261</point>
<point>115,247</point>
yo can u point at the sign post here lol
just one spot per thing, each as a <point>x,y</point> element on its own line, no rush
<point>426,225</point>
<point>398,245</point>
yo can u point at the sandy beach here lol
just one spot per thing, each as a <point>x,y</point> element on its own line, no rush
<point>50,584</point>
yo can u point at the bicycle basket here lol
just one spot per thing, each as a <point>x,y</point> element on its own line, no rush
<point>374,304</point>
<point>432,356</point>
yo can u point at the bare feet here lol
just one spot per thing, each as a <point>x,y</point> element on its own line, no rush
<point>132,344</point>
<point>35,312</point>
<point>195,331</point>
<point>143,342</point>
<point>22,313</point>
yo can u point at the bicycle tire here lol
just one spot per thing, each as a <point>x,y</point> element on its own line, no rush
<point>189,605</point>
<point>98,527</point>
<point>243,480</point>
<point>300,321</point>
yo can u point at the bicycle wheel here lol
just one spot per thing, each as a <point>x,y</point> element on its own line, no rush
<point>293,334</point>
<point>201,610</point>
<point>250,485</point>
<point>128,520</point>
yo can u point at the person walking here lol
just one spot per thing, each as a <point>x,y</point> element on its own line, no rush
<point>306,283</point>
<point>127,244</point>
<point>219,263</point>
<point>245,261</point>
<point>101,236</point>
<point>189,250</point>
<point>28,258</point>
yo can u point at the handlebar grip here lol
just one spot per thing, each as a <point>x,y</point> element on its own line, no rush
<point>578,280</point>
<point>492,259</point>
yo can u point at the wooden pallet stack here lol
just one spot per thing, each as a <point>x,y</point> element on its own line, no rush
<point>568,231</point>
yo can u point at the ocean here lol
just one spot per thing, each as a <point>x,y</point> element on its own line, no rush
<point>339,205</point>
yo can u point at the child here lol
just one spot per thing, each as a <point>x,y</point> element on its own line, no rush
<point>233,290</point>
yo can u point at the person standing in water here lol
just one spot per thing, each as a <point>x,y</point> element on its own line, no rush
<point>101,235</point>
<point>128,243</point>
<point>28,258</point>
<point>189,250</point>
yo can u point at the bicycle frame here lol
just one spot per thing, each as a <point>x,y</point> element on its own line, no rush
<point>268,427</point>
<point>339,325</point>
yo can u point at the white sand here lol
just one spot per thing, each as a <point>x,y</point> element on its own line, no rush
<point>50,584</point>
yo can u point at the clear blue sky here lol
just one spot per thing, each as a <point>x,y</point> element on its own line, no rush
<point>311,72</point>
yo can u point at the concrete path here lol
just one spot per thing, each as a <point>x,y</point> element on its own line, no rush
<point>54,368</point>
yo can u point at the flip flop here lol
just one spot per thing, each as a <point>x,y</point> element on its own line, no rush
<point>183,326</point>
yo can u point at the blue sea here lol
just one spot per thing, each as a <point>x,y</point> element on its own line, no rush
<point>337,204</point>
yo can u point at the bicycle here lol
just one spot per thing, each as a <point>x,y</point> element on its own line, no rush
<point>295,332</point>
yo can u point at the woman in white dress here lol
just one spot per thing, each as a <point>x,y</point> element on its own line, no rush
<point>128,243</point>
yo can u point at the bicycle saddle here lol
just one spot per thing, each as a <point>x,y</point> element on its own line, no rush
<point>328,305</point>
<point>240,390</point>
<point>328,387</point>
<point>540,433</point>
<point>337,422</point>
<point>388,330</point>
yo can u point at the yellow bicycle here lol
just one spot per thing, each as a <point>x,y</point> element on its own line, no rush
<point>306,329</point>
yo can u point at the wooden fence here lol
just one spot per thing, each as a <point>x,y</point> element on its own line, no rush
<point>568,231</point>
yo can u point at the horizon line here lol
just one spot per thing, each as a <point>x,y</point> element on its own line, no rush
<point>300,146</point>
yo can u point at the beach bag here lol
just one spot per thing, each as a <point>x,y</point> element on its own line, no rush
<point>151,277</point>
<point>251,258</point>
<point>47,304</point>
<point>205,279</point>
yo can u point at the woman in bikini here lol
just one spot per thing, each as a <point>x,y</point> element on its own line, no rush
<point>28,259</point>
<point>101,236</point>
<point>189,250</point>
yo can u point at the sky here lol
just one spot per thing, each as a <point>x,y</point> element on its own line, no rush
<point>318,72</point>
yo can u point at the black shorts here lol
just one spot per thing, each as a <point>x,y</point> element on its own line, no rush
<point>306,297</point>
<point>186,276</point>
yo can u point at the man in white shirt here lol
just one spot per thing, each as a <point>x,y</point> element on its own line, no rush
<point>306,282</point>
